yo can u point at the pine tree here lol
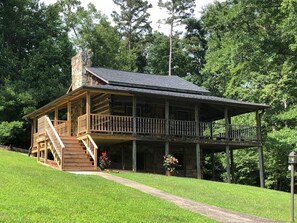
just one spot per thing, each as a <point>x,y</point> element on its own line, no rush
<point>134,25</point>
<point>178,13</point>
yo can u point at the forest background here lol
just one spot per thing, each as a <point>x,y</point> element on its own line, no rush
<point>240,49</point>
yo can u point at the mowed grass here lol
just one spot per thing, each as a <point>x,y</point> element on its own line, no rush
<point>246,199</point>
<point>31,192</point>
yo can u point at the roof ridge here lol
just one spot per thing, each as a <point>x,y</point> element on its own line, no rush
<point>134,72</point>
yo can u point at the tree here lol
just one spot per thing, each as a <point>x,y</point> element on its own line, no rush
<point>178,12</point>
<point>33,64</point>
<point>195,46</point>
<point>134,26</point>
<point>133,21</point>
<point>157,55</point>
<point>251,56</point>
<point>93,31</point>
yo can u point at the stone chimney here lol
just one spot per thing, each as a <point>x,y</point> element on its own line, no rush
<point>78,71</point>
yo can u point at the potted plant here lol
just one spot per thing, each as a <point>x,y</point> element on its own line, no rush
<point>104,162</point>
<point>170,163</point>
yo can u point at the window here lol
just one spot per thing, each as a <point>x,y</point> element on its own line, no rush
<point>129,111</point>
<point>182,115</point>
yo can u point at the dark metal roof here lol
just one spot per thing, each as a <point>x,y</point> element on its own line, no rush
<point>202,98</point>
<point>146,81</point>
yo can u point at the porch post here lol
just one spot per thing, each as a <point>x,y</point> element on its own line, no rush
<point>96,158</point>
<point>213,164</point>
<point>88,111</point>
<point>198,161</point>
<point>56,116</point>
<point>123,158</point>
<point>134,147</point>
<point>38,152</point>
<point>166,148</point>
<point>34,125</point>
<point>260,149</point>
<point>69,118</point>
<point>167,126</point>
<point>134,106</point>
<point>227,123</point>
<point>228,163</point>
<point>33,131</point>
<point>45,152</point>
<point>32,139</point>
<point>197,130</point>
<point>232,166</point>
<point>134,156</point>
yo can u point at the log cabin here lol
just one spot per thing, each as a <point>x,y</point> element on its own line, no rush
<point>138,118</point>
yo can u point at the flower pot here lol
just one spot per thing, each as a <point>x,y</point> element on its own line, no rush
<point>168,173</point>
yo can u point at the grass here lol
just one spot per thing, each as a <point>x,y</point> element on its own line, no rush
<point>31,192</point>
<point>246,199</point>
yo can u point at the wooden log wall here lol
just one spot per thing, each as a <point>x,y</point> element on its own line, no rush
<point>101,104</point>
<point>122,105</point>
<point>119,103</point>
<point>93,80</point>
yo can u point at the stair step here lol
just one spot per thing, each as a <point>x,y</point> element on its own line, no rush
<point>70,140</point>
<point>78,165</point>
<point>74,156</point>
<point>79,169</point>
<point>76,160</point>
<point>74,152</point>
<point>80,156</point>
<point>67,149</point>
<point>72,144</point>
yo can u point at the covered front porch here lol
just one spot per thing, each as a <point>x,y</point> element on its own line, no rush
<point>92,117</point>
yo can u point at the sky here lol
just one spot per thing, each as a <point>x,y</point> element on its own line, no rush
<point>107,6</point>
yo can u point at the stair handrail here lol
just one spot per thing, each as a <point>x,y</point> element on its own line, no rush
<point>53,136</point>
<point>87,145</point>
<point>95,158</point>
<point>93,142</point>
<point>93,153</point>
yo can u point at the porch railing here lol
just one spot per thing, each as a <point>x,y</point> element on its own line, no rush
<point>153,126</point>
<point>61,128</point>
<point>82,124</point>
<point>111,123</point>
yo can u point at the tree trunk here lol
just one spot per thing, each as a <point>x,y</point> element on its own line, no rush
<point>170,44</point>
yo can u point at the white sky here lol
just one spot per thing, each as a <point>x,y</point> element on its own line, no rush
<point>107,6</point>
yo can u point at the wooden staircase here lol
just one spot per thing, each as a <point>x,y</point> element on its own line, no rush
<point>75,157</point>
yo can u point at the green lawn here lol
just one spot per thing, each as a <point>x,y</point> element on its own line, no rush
<point>251,200</point>
<point>31,192</point>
